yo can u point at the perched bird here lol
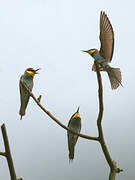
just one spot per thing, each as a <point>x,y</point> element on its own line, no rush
<point>104,55</point>
<point>75,125</point>
<point>27,79</point>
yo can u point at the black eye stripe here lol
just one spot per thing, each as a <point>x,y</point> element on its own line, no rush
<point>31,69</point>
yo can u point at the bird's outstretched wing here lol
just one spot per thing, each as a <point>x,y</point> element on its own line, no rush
<point>106,37</point>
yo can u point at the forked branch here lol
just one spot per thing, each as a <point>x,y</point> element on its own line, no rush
<point>100,138</point>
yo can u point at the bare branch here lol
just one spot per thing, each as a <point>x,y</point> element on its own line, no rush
<point>56,120</point>
<point>100,138</point>
<point>112,164</point>
<point>99,120</point>
<point>8,153</point>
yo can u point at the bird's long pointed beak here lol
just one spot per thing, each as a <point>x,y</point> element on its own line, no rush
<point>37,70</point>
<point>86,51</point>
<point>78,109</point>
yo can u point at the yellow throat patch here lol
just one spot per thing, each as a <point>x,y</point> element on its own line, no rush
<point>31,73</point>
<point>91,51</point>
<point>76,115</point>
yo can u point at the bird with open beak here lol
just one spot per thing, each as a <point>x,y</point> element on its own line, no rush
<point>27,79</point>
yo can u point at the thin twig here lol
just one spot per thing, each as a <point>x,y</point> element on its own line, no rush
<point>56,120</point>
<point>2,154</point>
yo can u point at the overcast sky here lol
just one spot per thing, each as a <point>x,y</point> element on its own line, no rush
<point>50,35</point>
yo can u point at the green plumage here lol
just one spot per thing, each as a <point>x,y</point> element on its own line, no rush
<point>27,79</point>
<point>75,125</point>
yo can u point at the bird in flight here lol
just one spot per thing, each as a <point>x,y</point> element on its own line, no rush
<point>104,56</point>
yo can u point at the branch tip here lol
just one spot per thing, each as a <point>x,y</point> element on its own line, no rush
<point>39,98</point>
<point>2,154</point>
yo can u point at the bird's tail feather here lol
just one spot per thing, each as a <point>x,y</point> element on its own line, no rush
<point>114,77</point>
<point>71,152</point>
<point>22,112</point>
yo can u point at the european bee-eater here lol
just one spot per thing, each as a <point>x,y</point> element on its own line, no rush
<point>27,79</point>
<point>75,125</point>
<point>104,55</point>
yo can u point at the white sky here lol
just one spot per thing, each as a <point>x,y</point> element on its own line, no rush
<point>50,35</point>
